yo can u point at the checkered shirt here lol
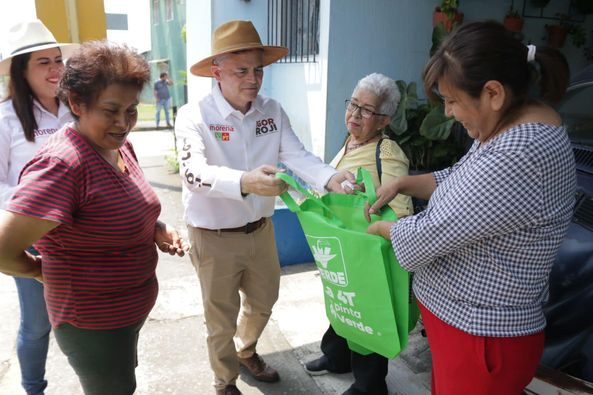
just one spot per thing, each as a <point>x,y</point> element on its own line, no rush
<point>483,249</point>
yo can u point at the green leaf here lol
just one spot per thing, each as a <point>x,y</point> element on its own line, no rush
<point>399,123</point>
<point>436,126</point>
<point>441,151</point>
<point>438,35</point>
<point>402,86</point>
<point>408,95</point>
<point>404,139</point>
<point>423,131</point>
<point>411,96</point>
<point>418,141</point>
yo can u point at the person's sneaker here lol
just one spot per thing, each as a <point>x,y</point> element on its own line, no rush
<point>257,368</point>
<point>229,390</point>
<point>320,366</point>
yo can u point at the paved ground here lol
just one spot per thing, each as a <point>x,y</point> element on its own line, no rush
<point>172,349</point>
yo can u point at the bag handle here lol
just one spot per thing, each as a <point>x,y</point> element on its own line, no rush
<point>288,199</point>
<point>285,196</point>
<point>369,189</point>
<point>294,184</point>
<point>369,186</point>
<point>362,175</point>
<point>290,203</point>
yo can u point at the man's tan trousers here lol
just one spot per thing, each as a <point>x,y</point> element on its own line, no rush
<point>239,276</point>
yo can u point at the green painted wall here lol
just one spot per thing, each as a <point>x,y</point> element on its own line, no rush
<point>168,43</point>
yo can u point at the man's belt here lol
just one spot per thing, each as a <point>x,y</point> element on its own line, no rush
<point>249,228</point>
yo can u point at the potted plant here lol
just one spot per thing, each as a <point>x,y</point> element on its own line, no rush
<point>447,15</point>
<point>557,33</point>
<point>513,20</point>
<point>424,133</point>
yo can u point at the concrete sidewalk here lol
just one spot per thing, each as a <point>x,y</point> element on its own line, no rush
<point>172,348</point>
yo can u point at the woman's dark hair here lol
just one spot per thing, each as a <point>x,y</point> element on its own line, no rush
<point>98,64</point>
<point>482,51</point>
<point>22,95</point>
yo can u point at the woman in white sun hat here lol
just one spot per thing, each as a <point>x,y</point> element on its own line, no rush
<point>29,114</point>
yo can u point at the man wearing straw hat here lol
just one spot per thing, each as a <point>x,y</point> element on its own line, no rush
<point>229,144</point>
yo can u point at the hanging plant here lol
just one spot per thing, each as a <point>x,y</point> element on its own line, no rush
<point>513,20</point>
<point>557,35</point>
<point>447,15</point>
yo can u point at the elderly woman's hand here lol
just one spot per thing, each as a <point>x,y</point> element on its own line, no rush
<point>168,240</point>
<point>342,182</point>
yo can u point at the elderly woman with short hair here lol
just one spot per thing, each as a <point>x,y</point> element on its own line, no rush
<point>371,107</point>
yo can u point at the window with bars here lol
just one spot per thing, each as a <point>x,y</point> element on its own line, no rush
<point>295,24</point>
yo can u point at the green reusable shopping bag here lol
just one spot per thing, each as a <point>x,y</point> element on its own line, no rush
<point>367,294</point>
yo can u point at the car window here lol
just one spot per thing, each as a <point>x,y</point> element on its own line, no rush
<point>577,113</point>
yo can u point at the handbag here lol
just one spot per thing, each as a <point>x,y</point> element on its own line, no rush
<point>366,292</point>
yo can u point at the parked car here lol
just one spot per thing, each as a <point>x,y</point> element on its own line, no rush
<point>569,311</point>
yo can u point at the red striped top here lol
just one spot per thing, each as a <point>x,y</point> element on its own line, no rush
<point>99,264</point>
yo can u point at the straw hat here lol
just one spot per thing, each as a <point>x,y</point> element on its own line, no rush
<point>236,36</point>
<point>29,36</point>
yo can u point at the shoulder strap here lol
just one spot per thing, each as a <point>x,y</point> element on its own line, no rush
<point>378,158</point>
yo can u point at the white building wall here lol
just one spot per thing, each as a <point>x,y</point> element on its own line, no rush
<point>198,35</point>
<point>138,13</point>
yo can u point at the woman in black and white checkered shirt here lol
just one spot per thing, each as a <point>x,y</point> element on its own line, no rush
<point>483,249</point>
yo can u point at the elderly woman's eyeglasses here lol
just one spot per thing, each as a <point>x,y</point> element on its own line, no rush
<point>364,112</point>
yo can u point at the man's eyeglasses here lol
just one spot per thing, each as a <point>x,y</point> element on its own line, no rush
<point>364,112</point>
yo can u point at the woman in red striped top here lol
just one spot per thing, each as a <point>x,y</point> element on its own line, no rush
<point>85,204</point>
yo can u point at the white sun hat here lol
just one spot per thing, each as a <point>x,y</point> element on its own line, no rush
<point>29,36</point>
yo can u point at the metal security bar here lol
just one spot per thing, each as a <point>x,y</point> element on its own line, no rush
<point>294,24</point>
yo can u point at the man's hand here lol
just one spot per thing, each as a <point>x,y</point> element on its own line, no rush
<point>385,193</point>
<point>381,228</point>
<point>342,182</point>
<point>168,240</point>
<point>262,181</point>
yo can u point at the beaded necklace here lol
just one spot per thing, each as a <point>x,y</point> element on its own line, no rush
<point>352,146</point>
